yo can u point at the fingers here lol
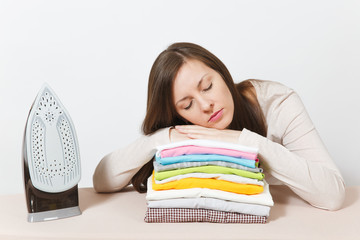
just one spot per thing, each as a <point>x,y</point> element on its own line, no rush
<point>194,131</point>
<point>199,132</point>
<point>192,128</point>
<point>176,136</point>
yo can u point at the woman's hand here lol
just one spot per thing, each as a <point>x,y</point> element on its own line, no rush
<point>176,136</point>
<point>198,132</point>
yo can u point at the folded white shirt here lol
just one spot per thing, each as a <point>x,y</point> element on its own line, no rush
<point>213,204</point>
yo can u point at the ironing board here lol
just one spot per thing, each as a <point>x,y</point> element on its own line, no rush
<point>120,216</point>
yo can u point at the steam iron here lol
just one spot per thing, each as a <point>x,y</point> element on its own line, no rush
<point>51,160</point>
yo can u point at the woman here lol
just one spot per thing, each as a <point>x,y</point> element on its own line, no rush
<point>191,94</point>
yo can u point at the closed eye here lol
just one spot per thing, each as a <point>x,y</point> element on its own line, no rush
<point>208,88</point>
<point>189,106</point>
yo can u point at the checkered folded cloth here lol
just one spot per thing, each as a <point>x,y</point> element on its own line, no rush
<point>178,215</point>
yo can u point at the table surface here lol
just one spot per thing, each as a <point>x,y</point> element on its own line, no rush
<point>121,216</point>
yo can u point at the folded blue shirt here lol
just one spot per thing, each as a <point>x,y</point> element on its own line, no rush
<point>206,157</point>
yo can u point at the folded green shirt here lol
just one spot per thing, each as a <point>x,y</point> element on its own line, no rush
<point>208,169</point>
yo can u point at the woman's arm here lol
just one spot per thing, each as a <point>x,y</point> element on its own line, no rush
<point>296,155</point>
<point>116,169</point>
<point>303,165</point>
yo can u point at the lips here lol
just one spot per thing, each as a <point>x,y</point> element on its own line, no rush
<point>216,115</point>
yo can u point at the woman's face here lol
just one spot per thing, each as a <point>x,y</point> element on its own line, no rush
<point>201,96</point>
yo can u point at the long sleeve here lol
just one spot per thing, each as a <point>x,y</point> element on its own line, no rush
<point>116,169</point>
<point>293,152</point>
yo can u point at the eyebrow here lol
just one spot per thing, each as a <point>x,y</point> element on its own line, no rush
<point>198,85</point>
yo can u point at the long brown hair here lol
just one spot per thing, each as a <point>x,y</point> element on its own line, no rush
<point>161,113</point>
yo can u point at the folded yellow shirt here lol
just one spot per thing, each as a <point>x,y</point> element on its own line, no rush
<point>222,185</point>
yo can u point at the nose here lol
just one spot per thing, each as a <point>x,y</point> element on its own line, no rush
<point>205,104</point>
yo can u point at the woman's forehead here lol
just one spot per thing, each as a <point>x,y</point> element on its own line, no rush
<point>192,72</point>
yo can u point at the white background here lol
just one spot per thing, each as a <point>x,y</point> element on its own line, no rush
<point>96,55</point>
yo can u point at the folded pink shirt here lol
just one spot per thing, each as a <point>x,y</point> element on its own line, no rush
<point>192,149</point>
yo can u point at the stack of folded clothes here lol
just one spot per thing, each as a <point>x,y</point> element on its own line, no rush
<point>207,181</point>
